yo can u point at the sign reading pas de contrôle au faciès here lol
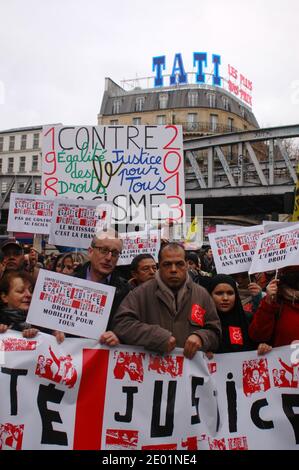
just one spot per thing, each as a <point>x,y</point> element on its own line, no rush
<point>30,213</point>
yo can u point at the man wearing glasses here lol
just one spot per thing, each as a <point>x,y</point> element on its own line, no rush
<point>170,310</point>
<point>103,255</point>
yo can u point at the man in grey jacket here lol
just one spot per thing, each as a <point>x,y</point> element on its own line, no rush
<point>169,311</point>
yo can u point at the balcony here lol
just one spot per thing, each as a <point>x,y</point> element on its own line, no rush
<point>207,128</point>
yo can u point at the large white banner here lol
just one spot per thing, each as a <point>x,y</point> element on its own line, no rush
<point>69,304</point>
<point>30,214</point>
<point>75,222</point>
<point>137,243</point>
<point>140,169</point>
<point>79,395</point>
<point>276,250</point>
<point>233,249</point>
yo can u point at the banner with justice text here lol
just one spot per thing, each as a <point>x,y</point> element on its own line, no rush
<point>80,395</point>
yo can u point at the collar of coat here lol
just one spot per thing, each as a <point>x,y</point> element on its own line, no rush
<point>168,296</point>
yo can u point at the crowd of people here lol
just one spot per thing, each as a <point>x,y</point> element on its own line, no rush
<point>179,302</point>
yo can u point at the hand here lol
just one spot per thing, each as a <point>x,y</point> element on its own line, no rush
<point>59,335</point>
<point>3,328</point>
<point>171,344</point>
<point>192,345</point>
<point>209,354</point>
<point>109,338</point>
<point>263,349</point>
<point>254,288</point>
<point>272,289</point>
<point>30,332</point>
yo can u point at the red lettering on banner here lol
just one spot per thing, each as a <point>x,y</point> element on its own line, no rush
<point>121,439</point>
<point>238,443</point>
<point>217,444</point>
<point>131,364</point>
<point>91,400</point>
<point>14,344</point>
<point>11,436</point>
<point>255,376</point>
<point>167,365</point>
<point>160,447</point>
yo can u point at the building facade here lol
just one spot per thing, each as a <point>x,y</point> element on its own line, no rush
<point>20,165</point>
<point>199,109</point>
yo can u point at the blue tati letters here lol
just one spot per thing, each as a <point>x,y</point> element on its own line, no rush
<point>178,66</point>
<point>178,74</point>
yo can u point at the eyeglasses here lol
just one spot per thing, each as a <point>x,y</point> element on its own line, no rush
<point>105,251</point>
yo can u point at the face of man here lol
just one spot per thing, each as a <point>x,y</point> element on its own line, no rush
<point>103,257</point>
<point>13,258</point>
<point>173,267</point>
<point>145,271</point>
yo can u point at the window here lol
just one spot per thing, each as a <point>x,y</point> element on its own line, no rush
<point>211,100</point>
<point>23,142</point>
<point>34,163</point>
<point>1,144</point>
<point>37,188</point>
<point>4,187</point>
<point>192,98</point>
<point>116,106</point>
<point>139,103</point>
<point>230,123</point>
<point>136,121</point>
<point>22,164</point>
<point>11,142</point>
<point>21,187</point>
<point>114,122</point>
<point>192,121</point>
<point>0,165</point>
<point>163,100</point>
<point>10,165</point>
<point>35,141</point>
<point>213,122</point>
<point>242,111</point>
<point>161,120</point>
<point>225,103</point>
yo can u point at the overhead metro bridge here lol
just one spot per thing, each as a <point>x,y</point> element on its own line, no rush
<point>247,172</point>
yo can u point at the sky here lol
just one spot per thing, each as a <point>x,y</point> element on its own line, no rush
<point>55,55</point>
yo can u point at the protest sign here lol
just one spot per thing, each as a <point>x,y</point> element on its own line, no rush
<point>269,226</point>
<point>29,213</point>
<point>233,249</point>
<point>75,222</point>
<point>140,169</point>
<point>276,250</point>
<point>69,304</point>
<point>127,398</point>
<point>137,243</point>
<point>221,228</point>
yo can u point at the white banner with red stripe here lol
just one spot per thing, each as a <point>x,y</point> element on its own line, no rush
<point>79,395</point>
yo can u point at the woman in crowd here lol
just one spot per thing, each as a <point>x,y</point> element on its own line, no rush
<point>67,264</point>
<point>234,322</point>
<point>277,318</point>
<point>15,296</point>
